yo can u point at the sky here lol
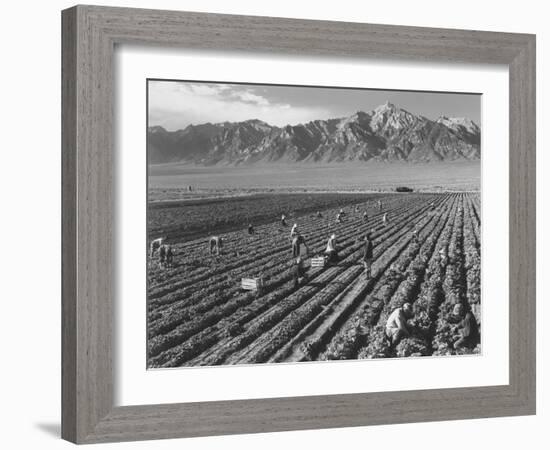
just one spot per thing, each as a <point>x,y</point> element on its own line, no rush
<point>176,104</point>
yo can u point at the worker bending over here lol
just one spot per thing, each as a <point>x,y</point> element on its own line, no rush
<point>469,330</point>
<point>396,325</point>
<point>216,244</point>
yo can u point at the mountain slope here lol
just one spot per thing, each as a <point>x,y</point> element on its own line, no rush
<point>387,133</point>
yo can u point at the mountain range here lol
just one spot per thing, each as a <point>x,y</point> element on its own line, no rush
<point>386,134</point>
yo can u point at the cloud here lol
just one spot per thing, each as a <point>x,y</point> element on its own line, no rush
<point>174,105</point>
<point>249,97</point>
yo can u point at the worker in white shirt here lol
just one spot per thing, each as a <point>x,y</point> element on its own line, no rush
<point>155,245</point>
<point>396,325</point>
<point>331,252</point>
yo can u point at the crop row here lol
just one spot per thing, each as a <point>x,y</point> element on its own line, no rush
<point>363,335</point>
<point>344,342</point>
<point>279,299</point>
<point>268,247</point>
<point>455,290</point>
<point>239,250</point>
<point>199,294</point>
<point>426,304</point>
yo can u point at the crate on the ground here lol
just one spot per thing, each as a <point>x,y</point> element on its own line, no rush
<point>252,284</point>
<point>318,261</point>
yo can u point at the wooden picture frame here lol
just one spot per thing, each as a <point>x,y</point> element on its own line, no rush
<point>90,34</point>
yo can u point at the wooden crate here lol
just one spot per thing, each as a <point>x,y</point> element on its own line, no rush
<point>251,284</point>
<point>319,261</point>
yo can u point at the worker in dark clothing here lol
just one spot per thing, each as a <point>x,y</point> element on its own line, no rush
<point>469,330</point>
<point>283,220</point>
<point>368,248</point>
<point>299,272</point>
<point>297,241</point>
<point>162,254</point>
<point>365,216</point>
<point>319,215</point>
<point>216,244</point>
<point>339,217</point>
<point>380,205</point>
<point>414,237</point>
<point>155,245</point>
<point>250,229</point>
<point>169,256</point>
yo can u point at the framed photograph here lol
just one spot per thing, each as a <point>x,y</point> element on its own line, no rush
<point>277,224</point>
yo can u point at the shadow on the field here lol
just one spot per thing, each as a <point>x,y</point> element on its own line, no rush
<point>347,265</point>
<point>323,284</point>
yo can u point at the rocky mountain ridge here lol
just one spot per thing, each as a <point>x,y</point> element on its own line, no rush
<point>385,134</point>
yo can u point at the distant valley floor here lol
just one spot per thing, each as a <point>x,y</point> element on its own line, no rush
<point>167,179</point>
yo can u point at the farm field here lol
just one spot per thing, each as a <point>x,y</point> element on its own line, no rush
<point>200,217</point>
<point>198,315</point>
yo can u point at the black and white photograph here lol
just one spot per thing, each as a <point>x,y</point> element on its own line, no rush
<point>291,224</point>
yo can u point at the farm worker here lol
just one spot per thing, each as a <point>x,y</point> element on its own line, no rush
<point>385,218</point>
<point>356,208</point>
<point>216,243</point>
<point>169,256</point>
<point>414,237</point>
<point>469,333</point>
<point>342,213</point>
<point>339,217</point>
<point>299,271</point>
<point>162,254</point>
<point>396,325</point>
<point>294,230</point>
<point>250,229</point>
<point>331,252</point>
<point>432,206</point>
<point>283,220</point>
<point>155,245</point>
<point>365,216</point>
<point>297,241</point>
<point>319,215</point>
<point>367,254</point>
<point>379,205</point>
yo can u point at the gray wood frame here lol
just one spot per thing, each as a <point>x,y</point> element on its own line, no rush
<point>89,36</point>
